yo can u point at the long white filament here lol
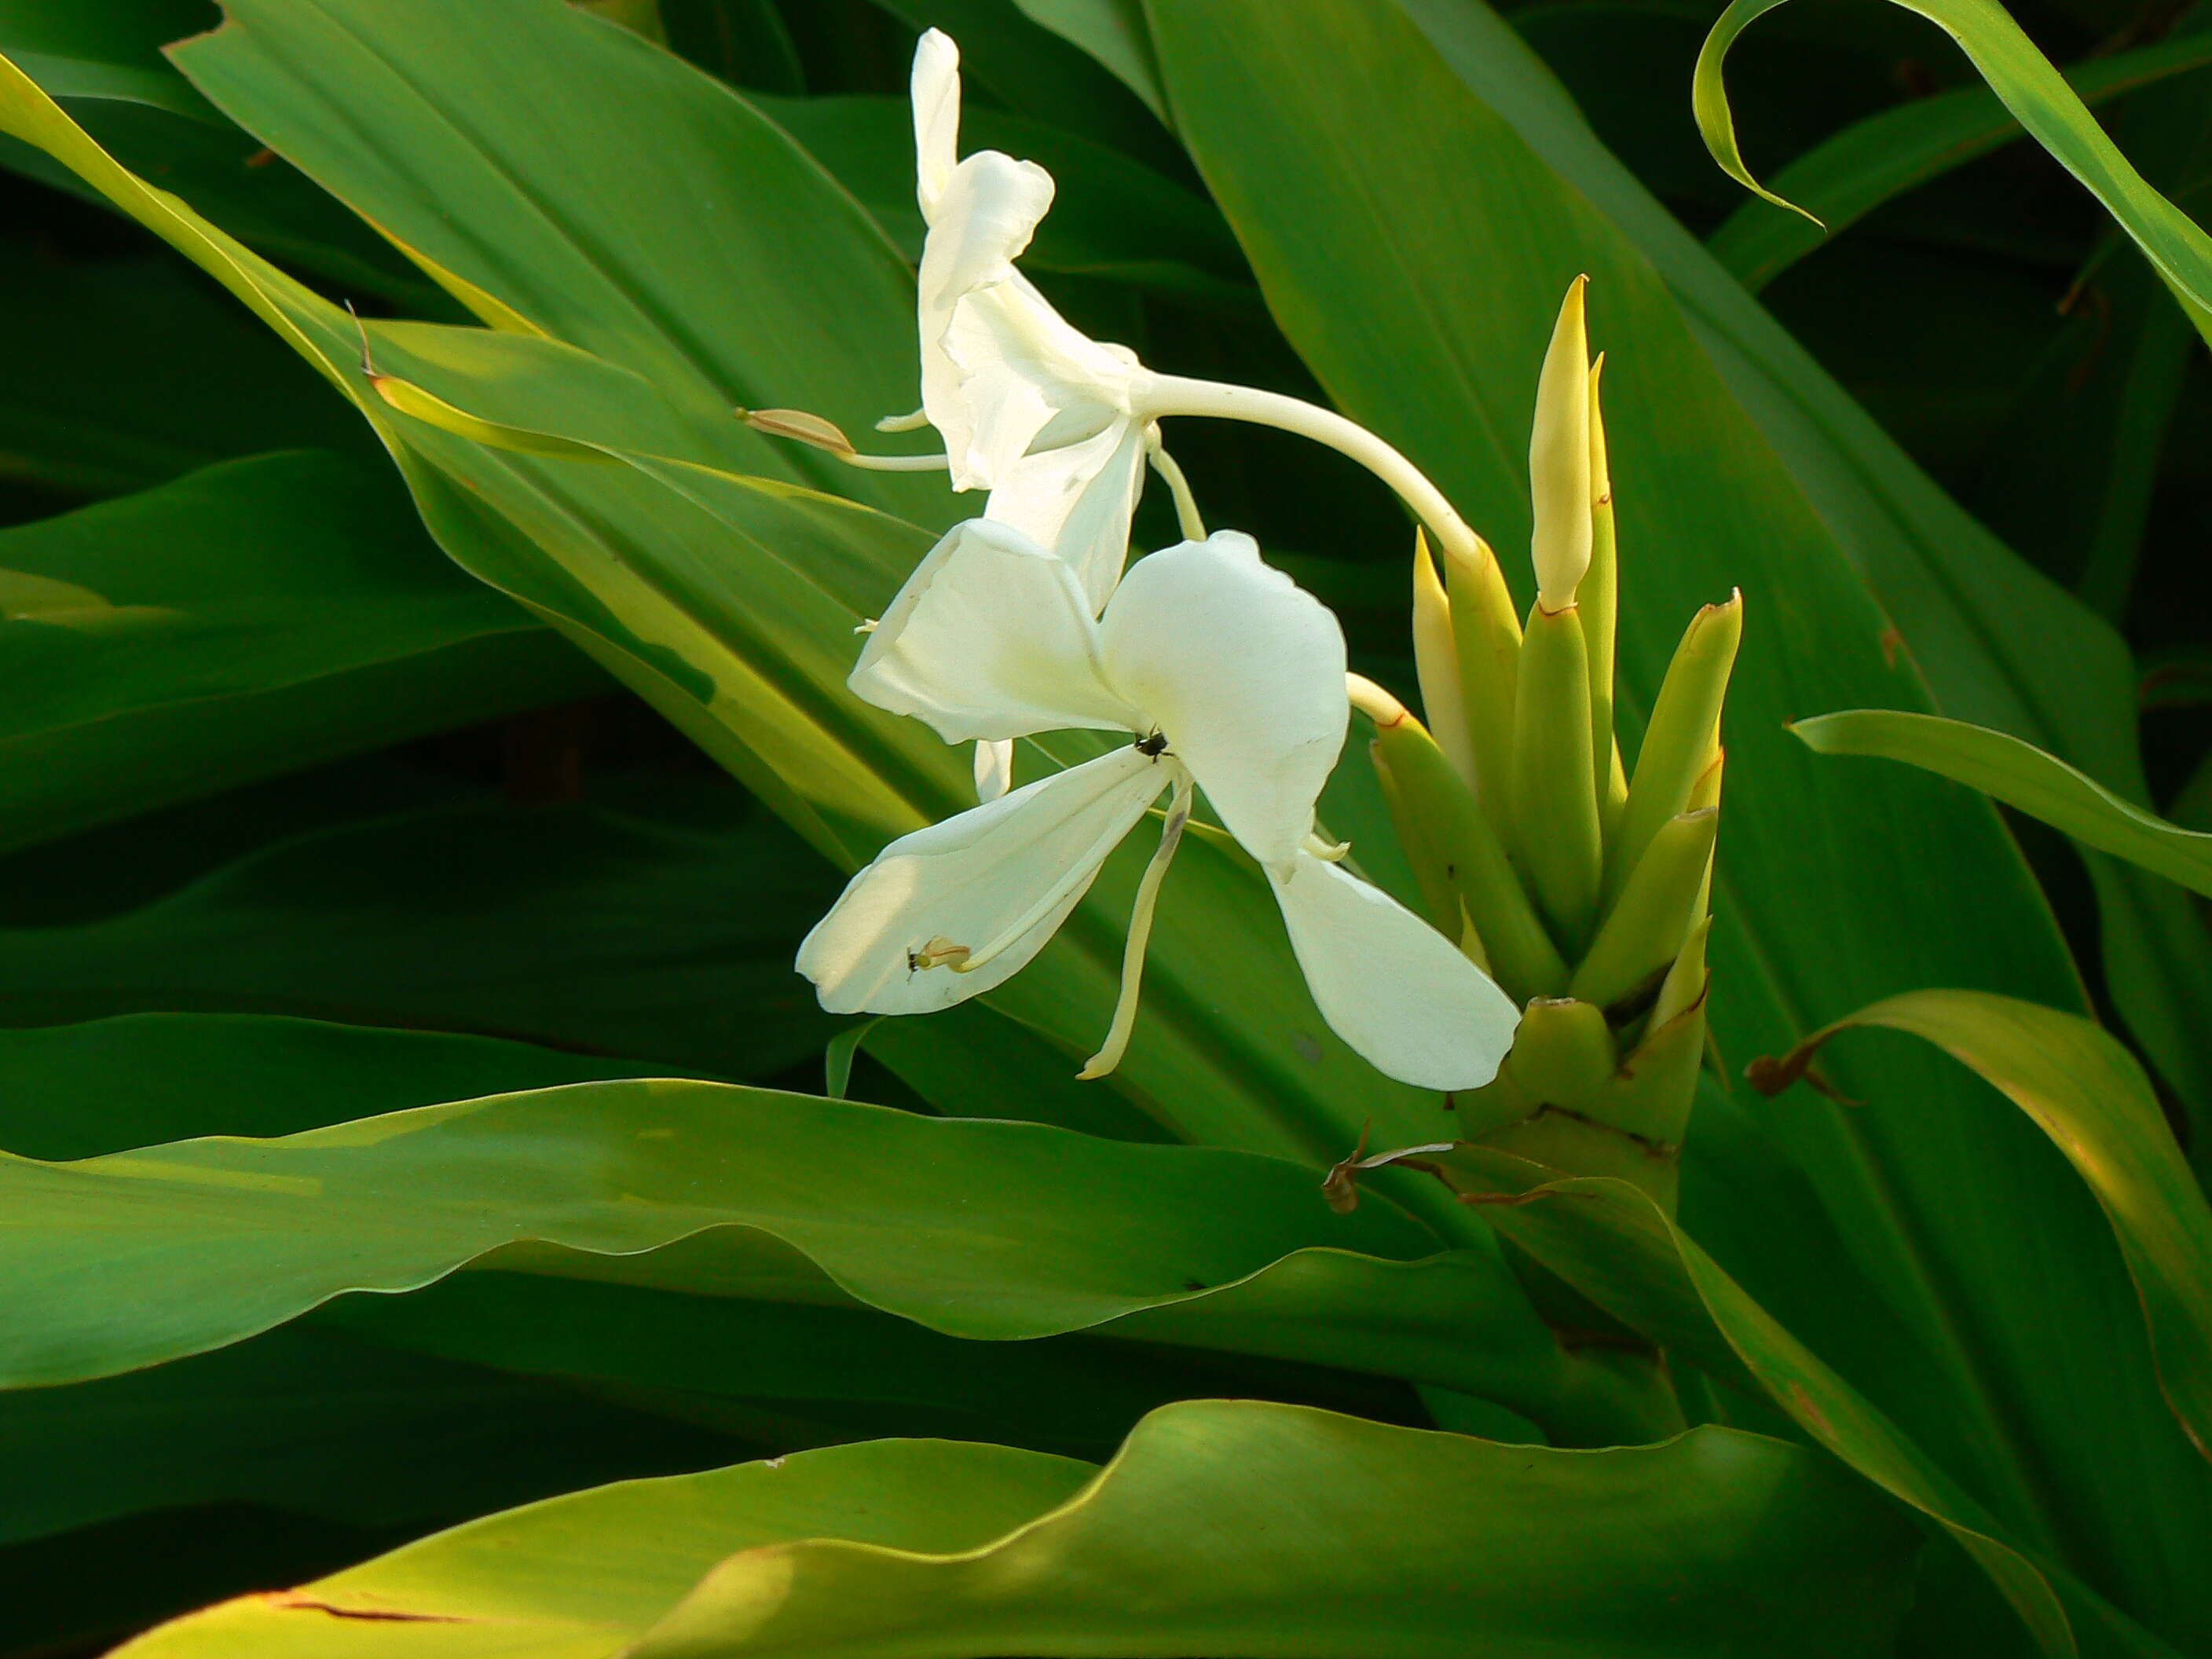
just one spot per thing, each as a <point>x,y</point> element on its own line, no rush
<point>1140,932</point>
<point>1186,504</point>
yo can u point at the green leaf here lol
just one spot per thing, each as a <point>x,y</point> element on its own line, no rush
<point>107,52</point>
<point>1607,1238</point>
<point>632,945</point>
<point>1874,161</point>
<point>2042,102</point>
<point>567,229</point>
<point>977,1229</point>
<point>1221,1526</point>
<point>249,619</point>
<point>2023,777</point>
<point>1360,238</point>
<point>2085,1091</point>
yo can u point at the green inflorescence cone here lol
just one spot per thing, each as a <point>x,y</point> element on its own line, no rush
<point>1580,884</point>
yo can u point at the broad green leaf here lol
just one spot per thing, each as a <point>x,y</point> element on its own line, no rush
<point>2085,1092</point>
<point>1874,161</point>
<point>2039,97</point>
<point>1359,238</point>
<point>1221,1526</point>
<point>581,1576</point>
<point>251,618</point>
<point>977,1229</point>
<point>316,1423</point>
<point>77,1091</point>
<point>588,927</point>
<point>2023,777</point>
<point>794,300</point>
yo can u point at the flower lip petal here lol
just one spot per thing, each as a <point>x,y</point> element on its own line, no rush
<point>1397,991</point>
<point>966,881</point>
<point>991,638</point>
<point>1243,670</point>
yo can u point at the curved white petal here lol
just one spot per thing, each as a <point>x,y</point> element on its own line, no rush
<point>1391,986</point>
<point>991,638</point>
<point>1077,500</point>
<point>988,411</point>
<point>936,89</point>
<point>1027,856</point>
<point>989,208</point>
<point>1243,671</point>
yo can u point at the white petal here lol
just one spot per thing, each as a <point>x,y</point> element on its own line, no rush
<point>982,221</point>
<point>936,87</point>
<point>1391,986</point>
<point>1077,500</point>
<point>994,769</point>
<point>968,880</point>
<point>991,638</point>
<point>1243,671</point>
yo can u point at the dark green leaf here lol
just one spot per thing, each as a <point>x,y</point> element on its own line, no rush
<point>2039,97</point>
<point>576,925</point>
<point>252,618</point>
<point>116,374</point>
<point>1881,158</point>
<point>320,1426</point>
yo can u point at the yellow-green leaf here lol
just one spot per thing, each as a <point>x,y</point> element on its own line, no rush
<point>2085,1091</point>
<point>2023,777</point>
